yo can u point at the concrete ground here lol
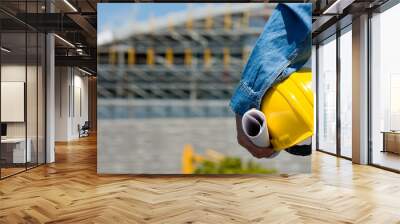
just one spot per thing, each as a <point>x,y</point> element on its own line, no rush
<point>155,145</point>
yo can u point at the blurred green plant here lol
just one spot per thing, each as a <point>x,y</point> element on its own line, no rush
<point>231,165</point>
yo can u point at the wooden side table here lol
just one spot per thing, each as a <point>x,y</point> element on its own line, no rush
<point>391,141</point>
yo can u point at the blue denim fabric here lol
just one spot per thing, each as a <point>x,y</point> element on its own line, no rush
<point>283,48</point>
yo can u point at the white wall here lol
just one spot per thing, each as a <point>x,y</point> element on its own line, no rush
<point>33,126</point>
<point>62,81</point>
<point>13,101</point>
<point>70,84</point>
<point>12,73</point>
<point>81,84</point>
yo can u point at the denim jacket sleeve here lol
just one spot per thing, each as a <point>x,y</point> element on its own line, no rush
<point>283,47</point>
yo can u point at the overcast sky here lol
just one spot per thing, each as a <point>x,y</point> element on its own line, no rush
<point>116,15</point>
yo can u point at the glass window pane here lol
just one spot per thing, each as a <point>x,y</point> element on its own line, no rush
<point>13,86</point>
<point>31,89</point>
<point>346,94</point>
<point>22,90</point>
<point>327,96</point>
<point>385,114</point>
<point>31,97</point>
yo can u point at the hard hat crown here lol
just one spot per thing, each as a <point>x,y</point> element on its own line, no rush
<point>289,109</point>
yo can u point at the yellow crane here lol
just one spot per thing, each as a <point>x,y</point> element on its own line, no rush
<point>190,159</point>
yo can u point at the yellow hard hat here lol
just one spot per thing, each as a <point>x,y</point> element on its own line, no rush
<point>288,108</point>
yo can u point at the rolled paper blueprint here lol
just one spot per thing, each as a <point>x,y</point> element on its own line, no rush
<point>254,125</point>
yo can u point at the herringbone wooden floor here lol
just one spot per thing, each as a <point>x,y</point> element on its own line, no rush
<point>70,191</point>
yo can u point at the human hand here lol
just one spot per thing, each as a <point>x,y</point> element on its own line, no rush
<point>243,140</point>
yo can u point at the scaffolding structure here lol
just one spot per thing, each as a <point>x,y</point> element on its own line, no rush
<point>198,58</point>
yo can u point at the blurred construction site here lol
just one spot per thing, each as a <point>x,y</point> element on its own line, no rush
<point>171,67</point>
<point>182,64</point>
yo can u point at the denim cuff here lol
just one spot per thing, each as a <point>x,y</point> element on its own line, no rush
<point>244,99</point>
